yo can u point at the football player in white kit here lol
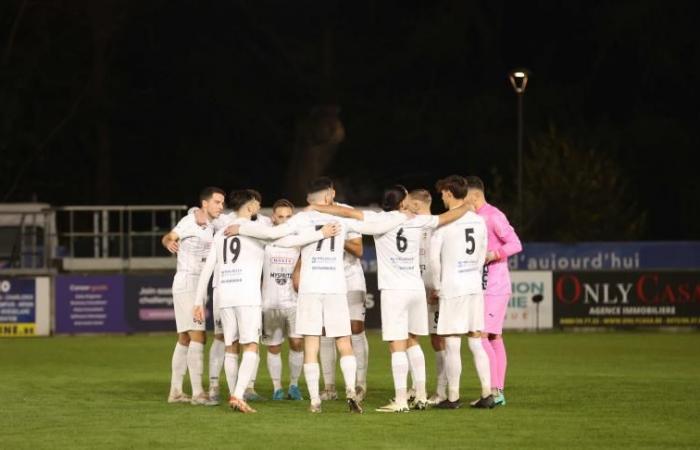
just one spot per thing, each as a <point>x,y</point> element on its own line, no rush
<point>279,301</point>
<point>191,242</point>
<point>420,201</point>
<point>457,258</point>
<point>403,301</point>
<point>357,300</point>
<point>322,303</point>
<point>238,262</point>
<point>216,350</point>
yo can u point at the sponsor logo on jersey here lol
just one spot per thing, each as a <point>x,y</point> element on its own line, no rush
<point>282,260</point>
<point>280,278</point>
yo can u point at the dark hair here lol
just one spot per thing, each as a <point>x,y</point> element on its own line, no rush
<point>393,197</point>
<point>236,199</point>
<point>282,203</point>
<point>319,184</point>
<point>475,182</point>
<point>209,191</point>
<point>421,194</point>
<point>456,184</point>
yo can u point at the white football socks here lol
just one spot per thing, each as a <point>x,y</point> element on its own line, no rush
<point>360,348</point>
<point>274,366</point>
<point>249,362</point>
<point>417,364</point>
<point>216,362</point>
<point>311,372</point>
<point>328,357</point>
<point>453,366</point>
<point>254,375</point>
<point>348,365</point>
<point>195,364</point>
<point>179,367</point>
<point>296,363</point>
<point>231,370</point>
<point>399,370</point>
<point>481,362</point>
<point>441,374</point>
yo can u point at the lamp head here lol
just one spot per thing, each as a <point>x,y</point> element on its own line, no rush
<point>518,79</point>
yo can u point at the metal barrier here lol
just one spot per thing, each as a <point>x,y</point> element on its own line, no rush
<point>27,237</point>
<point>116,237</point>
<point>35,238</point>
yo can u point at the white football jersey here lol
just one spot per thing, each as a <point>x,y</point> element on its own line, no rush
<point>322,267</point>
<point>277,287</point>
<point>354,275</point>
<point>237,262</point>
<point>424,258</point>
<point>458,254</point>
<point>195,242</point>
<point>398,250</point>
<point>223,221</point>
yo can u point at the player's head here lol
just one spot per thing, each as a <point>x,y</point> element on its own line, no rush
<point>282,211</point>
<point>211,200</point>
<point>476,195</point>
<point>395,198</point>
<point>320,191</point>
<point>453,190</point>
<point>419,201</point>
<point>245,202</point>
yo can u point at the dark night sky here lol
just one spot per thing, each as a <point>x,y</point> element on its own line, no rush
<point>148,101</point>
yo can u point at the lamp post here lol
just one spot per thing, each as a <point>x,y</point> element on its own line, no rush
<point>537,299</point>
<point>518,78</point>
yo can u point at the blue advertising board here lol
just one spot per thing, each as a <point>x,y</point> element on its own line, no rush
<point>607,256</point>
<point>17,307</point>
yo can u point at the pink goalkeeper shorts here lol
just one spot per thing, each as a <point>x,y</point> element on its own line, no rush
<point>495,307</point>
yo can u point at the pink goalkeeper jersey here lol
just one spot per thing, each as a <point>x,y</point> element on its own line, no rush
<point>502,240</point>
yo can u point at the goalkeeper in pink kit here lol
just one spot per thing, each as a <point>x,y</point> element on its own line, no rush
<point>502,243</point>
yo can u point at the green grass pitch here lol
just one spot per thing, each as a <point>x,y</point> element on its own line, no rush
<point>564,390</point>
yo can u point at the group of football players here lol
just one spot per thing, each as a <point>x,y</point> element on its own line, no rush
<point>298,276</point>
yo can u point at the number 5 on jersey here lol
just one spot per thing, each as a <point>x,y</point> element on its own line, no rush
<point>470,240</point>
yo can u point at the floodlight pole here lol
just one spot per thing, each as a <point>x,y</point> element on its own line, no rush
<point>518,78</point>
<point>520,159</point>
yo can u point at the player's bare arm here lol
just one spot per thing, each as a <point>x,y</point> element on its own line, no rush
<point>354,247</point>
<point>171,242</point>
<point>231,230</point>
<point>199,314</point>
<point>454,214</point>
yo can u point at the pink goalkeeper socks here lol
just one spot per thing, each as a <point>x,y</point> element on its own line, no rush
<point>499,349</point>
<point>493,363</point>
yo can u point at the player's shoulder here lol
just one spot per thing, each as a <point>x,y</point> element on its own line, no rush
<point>472,216</point>
<point>224,219</point>
<point>422,221</point>
<point>493,211</point>
<point>186,221</point>
<point>302,215</point>
<point>264,220</point>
